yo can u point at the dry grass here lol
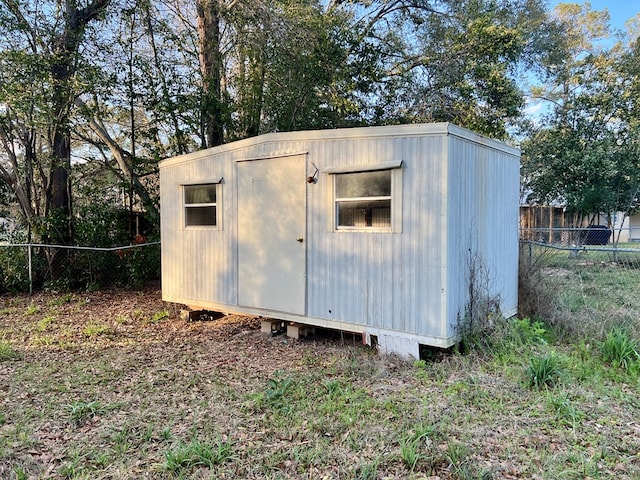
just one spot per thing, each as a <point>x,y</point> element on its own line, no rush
<point>113,385</point>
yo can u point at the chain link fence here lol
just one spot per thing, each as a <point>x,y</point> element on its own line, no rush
<point>28,267</point>
<point>581,279</point>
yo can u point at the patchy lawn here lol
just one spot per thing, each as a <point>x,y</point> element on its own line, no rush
<point>114,385</point>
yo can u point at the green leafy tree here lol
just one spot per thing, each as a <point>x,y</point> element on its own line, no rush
<point>584,154</point>
<point>42,44</point>
<point>456,61</point>
<point>289,63</point>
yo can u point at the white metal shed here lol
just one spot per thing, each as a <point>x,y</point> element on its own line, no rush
<point>367,230</point>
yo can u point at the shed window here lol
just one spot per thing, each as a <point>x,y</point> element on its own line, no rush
<point>363,200</point>
<point>201,204</point>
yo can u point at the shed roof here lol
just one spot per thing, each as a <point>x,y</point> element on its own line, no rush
<point>419,129</point>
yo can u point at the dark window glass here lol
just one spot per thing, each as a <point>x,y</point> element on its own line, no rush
<point>363,199</point>
<point>200,205</point>
<point>364,184</point>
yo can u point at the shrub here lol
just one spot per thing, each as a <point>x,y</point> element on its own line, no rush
<point>619,349</point>
<point>544,371</point>
<point>482,312</point>
<point>535,297</point>
<point>528,332</point>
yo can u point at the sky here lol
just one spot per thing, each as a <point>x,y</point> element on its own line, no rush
<point>619,10</point>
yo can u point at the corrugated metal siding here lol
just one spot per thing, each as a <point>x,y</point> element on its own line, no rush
<point>385,280</point>
<point>202,263</point>
<point>483,221</point>
<point>197,262</point>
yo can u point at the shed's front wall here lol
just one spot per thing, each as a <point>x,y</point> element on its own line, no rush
<point>385,280</point>
<point>395,281</point>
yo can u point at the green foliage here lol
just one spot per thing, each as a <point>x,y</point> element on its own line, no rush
<point>196,453</point>
<point>20,474</point>
<point>96,329</point>
<point>81,411</point>
<point>413,445</point>
<point>619,349</point>
<point>45,322</point>
<point>544,371</point>
<point>293,83</point>
<point>527,332</point>
<point>587,174</point>
<point>277,392</point>
<point>14,272</point>
<point>7,352</point>
<point>459,459</point>
<point>367,471</point>
<point>60,300</point>
<point>159,316</point>
<point>578,156</point>
<point>99,224</point>
<point>565,409</point>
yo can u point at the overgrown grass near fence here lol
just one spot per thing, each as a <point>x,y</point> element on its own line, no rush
<point>28,267</point>
<point>583,292</point>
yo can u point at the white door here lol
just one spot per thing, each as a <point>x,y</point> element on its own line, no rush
<point>271,234</point>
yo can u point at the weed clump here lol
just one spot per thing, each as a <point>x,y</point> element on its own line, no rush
<point>482,312</point>
<point>197,453</point>
<point>80,411</point>
<point>544,371</point>
<point>7,352</point>
<point>619,349</point>
<point>412,443</point>
<point>535,296</point>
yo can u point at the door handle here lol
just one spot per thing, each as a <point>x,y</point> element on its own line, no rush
<point>299,239</point>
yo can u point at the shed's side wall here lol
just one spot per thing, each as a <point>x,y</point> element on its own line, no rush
<point>483,196</point>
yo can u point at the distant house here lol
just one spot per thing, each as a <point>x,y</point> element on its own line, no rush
<point>368,230</point>
<point>554,224</point>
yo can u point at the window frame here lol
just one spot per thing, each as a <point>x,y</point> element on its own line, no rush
<point>217,205</point>
<point>395,197</point>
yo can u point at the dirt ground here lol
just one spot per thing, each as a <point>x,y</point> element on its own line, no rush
<point>114,385</point>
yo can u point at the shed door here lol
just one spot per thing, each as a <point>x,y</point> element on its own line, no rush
<point>271,234</point>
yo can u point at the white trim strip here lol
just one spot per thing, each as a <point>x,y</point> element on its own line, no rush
<point>364,167</point>
<point>215,181</point>
<point>268,156</point>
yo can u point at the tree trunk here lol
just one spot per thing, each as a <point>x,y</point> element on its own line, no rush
<point>211,67</point>
<point>63,69</point>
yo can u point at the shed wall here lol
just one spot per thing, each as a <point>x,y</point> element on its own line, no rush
<point>386,280</point>
<point>482,226</point>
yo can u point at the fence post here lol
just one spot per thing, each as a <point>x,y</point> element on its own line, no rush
<point>30,270</point>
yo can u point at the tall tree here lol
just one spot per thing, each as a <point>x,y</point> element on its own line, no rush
<point>64,50</point>
<point>584,152</point>
<point>449,60</point>
<point>49,35</point>
<point>209,36</point>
